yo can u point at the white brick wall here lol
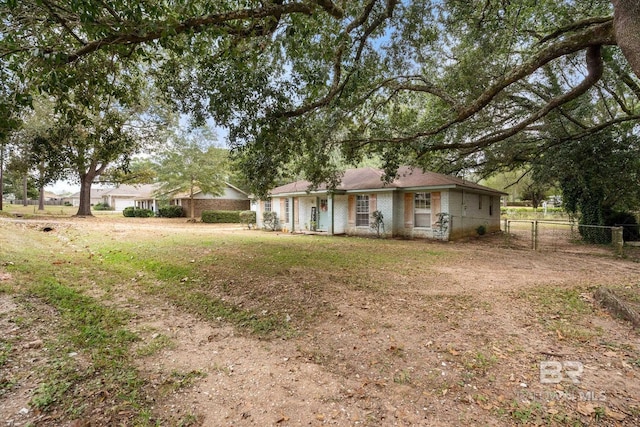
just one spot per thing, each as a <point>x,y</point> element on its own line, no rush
<point>340,214</point>
<point>306,203</point>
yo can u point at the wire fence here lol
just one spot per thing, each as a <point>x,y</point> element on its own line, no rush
<point>566,236</point>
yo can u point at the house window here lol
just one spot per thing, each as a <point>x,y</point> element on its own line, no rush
<point>362,211</point>
<point>490,205</point>
<point>267,205</point>
<point>286,210</point>
<point>422,210</point>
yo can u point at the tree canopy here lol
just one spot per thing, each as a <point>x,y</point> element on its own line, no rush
<point>304,85</point>
<point>192,165</point>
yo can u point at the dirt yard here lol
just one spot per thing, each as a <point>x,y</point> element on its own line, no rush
<point>444,334</point>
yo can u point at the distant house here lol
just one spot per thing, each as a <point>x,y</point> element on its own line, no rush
<point>232,199</point>
<point>124,196</point>
<point>96,197</point>
<point>416,204</point>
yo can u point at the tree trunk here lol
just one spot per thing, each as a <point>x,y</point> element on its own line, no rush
<point>25,200</point>
<point>84,209</point>
<point>192,207</point>
<point>1,176</point>
<point>626,20</point>
<point>41,199</point>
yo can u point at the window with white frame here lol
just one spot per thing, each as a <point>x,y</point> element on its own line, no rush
<point>362,211</point>
<point>267,205</point>
<point>286,210</point>
<point>422,210</point>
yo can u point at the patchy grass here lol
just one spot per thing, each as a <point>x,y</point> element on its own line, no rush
<point>395,321</point>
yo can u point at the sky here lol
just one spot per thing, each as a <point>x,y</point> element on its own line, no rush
<point>60,187</point>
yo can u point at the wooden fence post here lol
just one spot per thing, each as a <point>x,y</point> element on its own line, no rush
<point>617,239</point>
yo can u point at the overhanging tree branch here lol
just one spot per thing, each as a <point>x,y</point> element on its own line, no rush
<point>225,21</point>
<point>591,38</point>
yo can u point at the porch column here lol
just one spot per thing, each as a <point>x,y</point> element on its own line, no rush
<point>330,208</point>
<point>292,212</point>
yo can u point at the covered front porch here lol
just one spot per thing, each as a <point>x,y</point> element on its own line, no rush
<point>311,213</point>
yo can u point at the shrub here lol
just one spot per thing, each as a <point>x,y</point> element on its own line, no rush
<point>270,220</point>
<point>377,224</point>
<point>221,217</point>
<point>481,230</point>
<point>627,220</point>
<point>143,213</point>
<point>102,207</point>
<point>131,212</point>
<point>172,211</point>
<point>248,218</point>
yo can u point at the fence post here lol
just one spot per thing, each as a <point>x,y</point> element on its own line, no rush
<point>617,238</point>
<point>534,235</point>
<point>506,225</point>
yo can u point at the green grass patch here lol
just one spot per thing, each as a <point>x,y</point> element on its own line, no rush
<point>94,327</point>
<point>156,344</point>
<point>567,303</point>
<point>563,311</point>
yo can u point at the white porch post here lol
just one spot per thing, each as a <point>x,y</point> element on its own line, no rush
<point>330,208</point>
<point>292,222</point>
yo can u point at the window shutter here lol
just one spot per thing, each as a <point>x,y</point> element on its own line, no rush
<point>296,214</point>
<point>373,203</point>
<point>408,210</point>
<point>351,218</point>
<point>282,211</point>
<point>435,206</point>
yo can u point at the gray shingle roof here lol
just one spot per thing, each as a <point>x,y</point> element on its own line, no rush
<point>371,179</point>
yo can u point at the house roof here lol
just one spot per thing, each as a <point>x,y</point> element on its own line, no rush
<point>372,179</point>
<point>186,195</point>
<point>95,193</point>
<point>143,190</point>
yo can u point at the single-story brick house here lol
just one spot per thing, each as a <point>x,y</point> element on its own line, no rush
<point>124,196</point>
<point>144,196</point>
<point>232,199</point>
<point>415,204</point>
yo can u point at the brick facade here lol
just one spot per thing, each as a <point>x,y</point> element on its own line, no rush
<point>214,205</point>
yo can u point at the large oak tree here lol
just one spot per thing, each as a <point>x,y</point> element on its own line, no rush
<point>300,82</point>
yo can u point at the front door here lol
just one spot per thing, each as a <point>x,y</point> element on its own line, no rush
<point>323,214</point>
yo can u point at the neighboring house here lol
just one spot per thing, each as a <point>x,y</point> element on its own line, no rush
<point>416,204</point>
<point>96,197</point>
<point>124,196</point>
<point>232,199</point>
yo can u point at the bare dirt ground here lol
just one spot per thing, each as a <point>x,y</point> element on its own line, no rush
<point>457,342</point>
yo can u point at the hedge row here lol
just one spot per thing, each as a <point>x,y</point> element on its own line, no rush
<point>130,212</point>
<point>224,217</point>
<point>173,211</point>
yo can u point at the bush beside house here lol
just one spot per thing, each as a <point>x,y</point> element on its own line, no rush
<point>172,211</point>
<point>248,218</point>
<point>131,212</point>
<point>270,220</point>
<point>221,217</point>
